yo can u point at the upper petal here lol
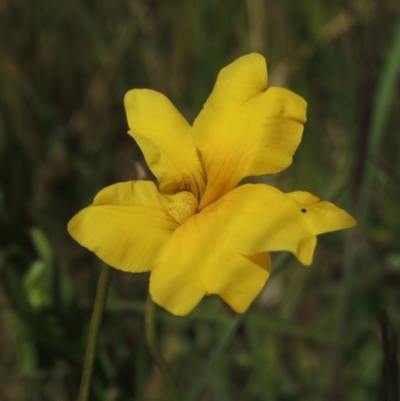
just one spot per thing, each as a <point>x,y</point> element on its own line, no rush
<point>195,263</point>
<point>258,218</point>
<point>165,138</point>
<point>246,129</point>
<point>125,226</point>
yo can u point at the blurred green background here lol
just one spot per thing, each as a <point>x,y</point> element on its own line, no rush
<point>314,333</point>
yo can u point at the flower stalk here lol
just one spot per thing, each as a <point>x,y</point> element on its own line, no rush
<point>95,322</point>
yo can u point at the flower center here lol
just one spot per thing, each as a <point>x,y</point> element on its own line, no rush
<point>181,206</point>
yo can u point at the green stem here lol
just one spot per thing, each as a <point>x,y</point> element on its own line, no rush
<point>266,392</point>
<point>95,322</point>
<point>280,326</point>
<point>150,320</point>
<point>196,389</point>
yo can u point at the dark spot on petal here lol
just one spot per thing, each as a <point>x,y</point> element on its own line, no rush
<point>303,210</point>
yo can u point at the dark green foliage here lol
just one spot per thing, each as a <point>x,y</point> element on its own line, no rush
<point>315,333</point>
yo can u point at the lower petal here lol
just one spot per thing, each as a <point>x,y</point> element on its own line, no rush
<point>243,281</point>
<point>125,226</point>
<point>259,218</point>
<point>195,263</point>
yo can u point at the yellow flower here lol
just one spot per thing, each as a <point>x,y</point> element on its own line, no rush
<point>197,231</point>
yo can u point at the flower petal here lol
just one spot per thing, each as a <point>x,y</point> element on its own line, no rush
<point>125,226</point>
<point>165,138</point>
<point>258,218</point>
<point>246,129</point>
<point>195,263</point>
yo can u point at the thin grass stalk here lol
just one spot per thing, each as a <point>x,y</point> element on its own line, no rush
<point>380,112</point>
<point>201,381</point>
<point>263,371</point>
<point>95,322</point>
<point>259,320</point>
<point>150,321</point>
